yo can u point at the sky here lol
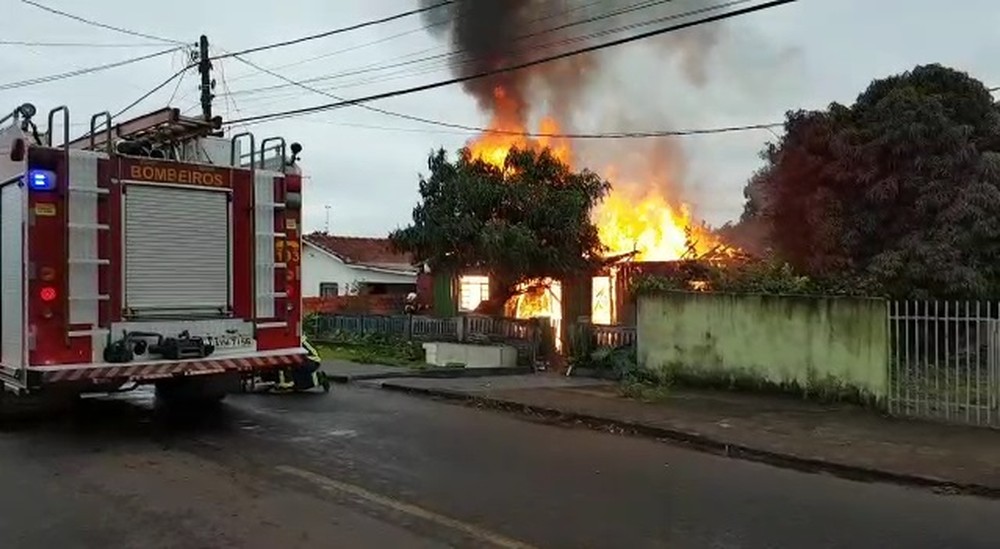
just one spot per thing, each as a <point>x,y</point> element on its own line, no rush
<point>363,167</point>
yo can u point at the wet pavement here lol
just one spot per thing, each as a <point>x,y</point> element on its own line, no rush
<point>368,468</point>
<point>840,438</point>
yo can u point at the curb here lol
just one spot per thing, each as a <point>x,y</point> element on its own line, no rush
<point>442,373</point>
<point>703,443</point>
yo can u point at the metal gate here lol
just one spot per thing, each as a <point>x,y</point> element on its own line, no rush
<point>944,361</point>
<point>177,250</point>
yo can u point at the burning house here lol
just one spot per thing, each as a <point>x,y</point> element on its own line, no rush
<point>644,222</point>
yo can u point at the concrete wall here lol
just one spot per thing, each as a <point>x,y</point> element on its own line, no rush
<point>319,267</point>
<point>471,356</point>
<point>820,345</point>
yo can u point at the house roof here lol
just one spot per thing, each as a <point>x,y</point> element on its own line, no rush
<point>362,251</point>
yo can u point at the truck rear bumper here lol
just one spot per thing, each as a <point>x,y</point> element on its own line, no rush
<point>155,370</point>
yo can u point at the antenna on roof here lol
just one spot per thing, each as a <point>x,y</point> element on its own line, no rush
<point>326,230</point>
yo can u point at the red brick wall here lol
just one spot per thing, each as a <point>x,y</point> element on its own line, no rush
<point>355,304</point>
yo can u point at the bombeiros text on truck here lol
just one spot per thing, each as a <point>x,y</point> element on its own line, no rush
<point>151,251</point>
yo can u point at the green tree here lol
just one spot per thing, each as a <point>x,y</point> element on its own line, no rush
<point>526,220</point>
<point>900,191</point>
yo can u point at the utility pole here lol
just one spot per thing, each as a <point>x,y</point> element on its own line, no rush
<point>326,230</point>
<point>205,69</point>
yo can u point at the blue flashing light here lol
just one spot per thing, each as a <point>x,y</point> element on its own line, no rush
<point>41,180</point>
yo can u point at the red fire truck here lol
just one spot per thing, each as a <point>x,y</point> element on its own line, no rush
<point>152,251</point>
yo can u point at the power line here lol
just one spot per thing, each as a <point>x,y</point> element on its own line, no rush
<point>179,75</point>
<point>426,27</point>
<point>444,58</point>
<point>73,44</point>
<point>81,72</point>
<point>575,135</point>
<point>479,129</point>
<point>99,24</point>
<point>518,66</point>
<point>176,76</point>
<point>178,86</point>
<point>538,47</point>
<point>225,86</point>
<point>513,52</point>
<point>340,30</point>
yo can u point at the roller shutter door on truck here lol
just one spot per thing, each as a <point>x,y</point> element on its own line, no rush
<point>177,250</point>
<point>12,275</point>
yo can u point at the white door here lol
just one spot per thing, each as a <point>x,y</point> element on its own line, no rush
<point>177,250</point>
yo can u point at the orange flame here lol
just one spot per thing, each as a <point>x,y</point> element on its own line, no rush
<point>651,226</point>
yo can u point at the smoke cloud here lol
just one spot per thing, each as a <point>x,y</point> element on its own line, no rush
<point>656,83</point>
<point>488,34</point>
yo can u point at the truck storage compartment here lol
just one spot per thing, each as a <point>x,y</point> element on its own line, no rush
<point>177,248</point>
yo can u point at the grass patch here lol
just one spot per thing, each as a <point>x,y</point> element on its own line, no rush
<point>372,349</point>
<point>367,355</point>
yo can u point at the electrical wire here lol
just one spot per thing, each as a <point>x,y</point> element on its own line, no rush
<point>225,86</point>
<point>423,28</point>
<point>332,32</point>
<point>73,44</point>
<point>81,72</point>
<point>443,59</point>
<point>512,52</point>
<point>555,135</point>
<point>408,74</point>
<point>99,24</point>
<point>479,129</point>
<point>176,76</point>
<point>178,86</point>
<point>515,67</point>
<point>179,75</point>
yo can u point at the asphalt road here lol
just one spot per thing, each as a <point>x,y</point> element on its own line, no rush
<point>365,468</point>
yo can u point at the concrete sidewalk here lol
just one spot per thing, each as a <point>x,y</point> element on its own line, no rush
<point>343,371</point>
<point>838,439</point>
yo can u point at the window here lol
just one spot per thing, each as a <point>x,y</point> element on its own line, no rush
<point>472,291</point>
<point>329,289</point>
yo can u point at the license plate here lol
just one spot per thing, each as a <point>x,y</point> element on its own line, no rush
<point>231,342</point>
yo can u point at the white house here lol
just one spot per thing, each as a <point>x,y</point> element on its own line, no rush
<point>345,265</point>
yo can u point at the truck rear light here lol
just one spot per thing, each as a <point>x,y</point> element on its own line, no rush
<point>48,294</point>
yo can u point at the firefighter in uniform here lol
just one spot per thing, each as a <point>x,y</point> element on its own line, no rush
<point>306,376</point>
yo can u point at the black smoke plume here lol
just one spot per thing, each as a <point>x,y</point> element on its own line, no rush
<point>485,35</point>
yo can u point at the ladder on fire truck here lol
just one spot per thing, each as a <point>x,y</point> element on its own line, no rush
<point>271,250</point>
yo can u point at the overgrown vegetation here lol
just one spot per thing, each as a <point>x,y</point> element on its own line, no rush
<point>370,349</point>
<point>752,276</point>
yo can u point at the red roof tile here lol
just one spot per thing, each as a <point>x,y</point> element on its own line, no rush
<point>371,252</point>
